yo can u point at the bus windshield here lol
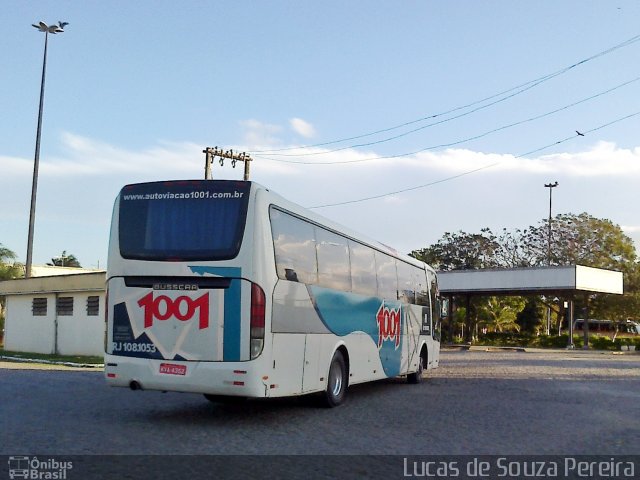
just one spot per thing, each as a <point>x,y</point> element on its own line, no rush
<point>182,220</point>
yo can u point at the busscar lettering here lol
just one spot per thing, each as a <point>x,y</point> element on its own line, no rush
<point>388,320</point>
<point>182,308</point>
<point>175,286</point>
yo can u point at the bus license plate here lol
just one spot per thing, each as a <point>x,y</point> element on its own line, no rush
<point>173,369</point>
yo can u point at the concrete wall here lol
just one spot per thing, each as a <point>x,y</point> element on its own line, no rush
<point>77,334</point>
<point>24,332</point>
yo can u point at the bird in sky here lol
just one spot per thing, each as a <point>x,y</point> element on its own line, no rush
<point>581,134</point>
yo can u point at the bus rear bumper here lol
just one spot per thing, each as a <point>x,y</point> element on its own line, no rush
<point>243,379</point>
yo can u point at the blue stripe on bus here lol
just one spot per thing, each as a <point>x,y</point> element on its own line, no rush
<point>217,271</point>
<point>344,313</point>
<point>232,309</point>
<point>232,303</point>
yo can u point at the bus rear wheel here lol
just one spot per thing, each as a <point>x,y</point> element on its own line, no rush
<point>337,382</point>
<point>417,377</point>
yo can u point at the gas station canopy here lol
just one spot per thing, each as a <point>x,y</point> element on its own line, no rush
<point>530,281</point>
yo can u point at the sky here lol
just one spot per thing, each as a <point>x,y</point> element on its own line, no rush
<point>403,120</point>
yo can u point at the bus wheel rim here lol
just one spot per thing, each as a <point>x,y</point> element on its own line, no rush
<point>336,379</point>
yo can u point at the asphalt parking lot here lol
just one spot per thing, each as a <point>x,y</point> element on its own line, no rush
<point>476,403</point>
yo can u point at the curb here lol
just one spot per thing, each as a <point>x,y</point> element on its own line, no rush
<point>489,348</point>
<point>51,362</point>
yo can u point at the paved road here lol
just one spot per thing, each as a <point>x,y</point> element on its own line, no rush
<point>475,403</point>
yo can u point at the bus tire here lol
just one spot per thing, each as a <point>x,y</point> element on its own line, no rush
<point>417,377</point>
<point>337,381</point>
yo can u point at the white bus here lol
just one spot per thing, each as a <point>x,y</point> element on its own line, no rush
<point>225,288</point>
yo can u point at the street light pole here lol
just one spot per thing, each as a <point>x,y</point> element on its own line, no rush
<point>42,27</point>
<point>550,186</point>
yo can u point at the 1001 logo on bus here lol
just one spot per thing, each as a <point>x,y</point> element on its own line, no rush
<point>388,320</point>
<point>182,308</point>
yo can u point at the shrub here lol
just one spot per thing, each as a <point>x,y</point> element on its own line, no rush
<point>505,339</point>
<point>604,343</point>
<point>555,341</point>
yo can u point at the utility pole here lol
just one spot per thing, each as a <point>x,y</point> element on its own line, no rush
<point>212,153</point>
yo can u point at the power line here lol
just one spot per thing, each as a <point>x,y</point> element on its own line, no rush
<point>464,140</point>
<point>518,90</point>
<point>485,167</point>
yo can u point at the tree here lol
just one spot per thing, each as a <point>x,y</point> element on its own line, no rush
<point>9,268</point>
<point>579,240</point>
<point>65,260</point>
<point>499,314</point>
<point>575,240</point>
<point>529,318</point>
<point>461,251</point>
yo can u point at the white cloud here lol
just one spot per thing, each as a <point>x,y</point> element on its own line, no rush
<point>603,159</point>
<point>86,156</point>
<point>259,134</point>
<point>91,165</point>
<point>302,127</point>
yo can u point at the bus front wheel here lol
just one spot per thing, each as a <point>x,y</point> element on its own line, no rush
<point>337,381</point>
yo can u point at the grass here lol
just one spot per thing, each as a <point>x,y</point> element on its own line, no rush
<point>52,357</point>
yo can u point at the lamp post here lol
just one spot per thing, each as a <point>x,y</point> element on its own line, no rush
<point>42,27</point>
<point>550,186</point>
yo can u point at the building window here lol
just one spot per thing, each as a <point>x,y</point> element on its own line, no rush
<point>93,306</point>
<point>39,307</point>
<point>64,306</point>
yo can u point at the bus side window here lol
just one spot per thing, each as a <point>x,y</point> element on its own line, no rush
<point>406,283</point>
<point>333,260</point>
<point>363,269</point>
<point>387,276</point>
<point>294,243</point>
<point>422,291</point>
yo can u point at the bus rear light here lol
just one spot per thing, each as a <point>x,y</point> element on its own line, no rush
<point>111,375</point>
<point>258,307</point>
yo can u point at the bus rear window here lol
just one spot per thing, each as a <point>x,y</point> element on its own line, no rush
<point>182,221</point>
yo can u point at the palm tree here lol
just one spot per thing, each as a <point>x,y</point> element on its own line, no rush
<point>500,313</point>
<point>8,266</point>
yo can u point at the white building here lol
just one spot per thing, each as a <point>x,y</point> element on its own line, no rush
<point>61,314</point>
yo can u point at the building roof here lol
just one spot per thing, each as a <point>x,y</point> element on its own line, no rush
<point>79,282</point>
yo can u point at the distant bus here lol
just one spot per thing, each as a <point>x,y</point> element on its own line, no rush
<point>225,288</point>
<point>609,328</point>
